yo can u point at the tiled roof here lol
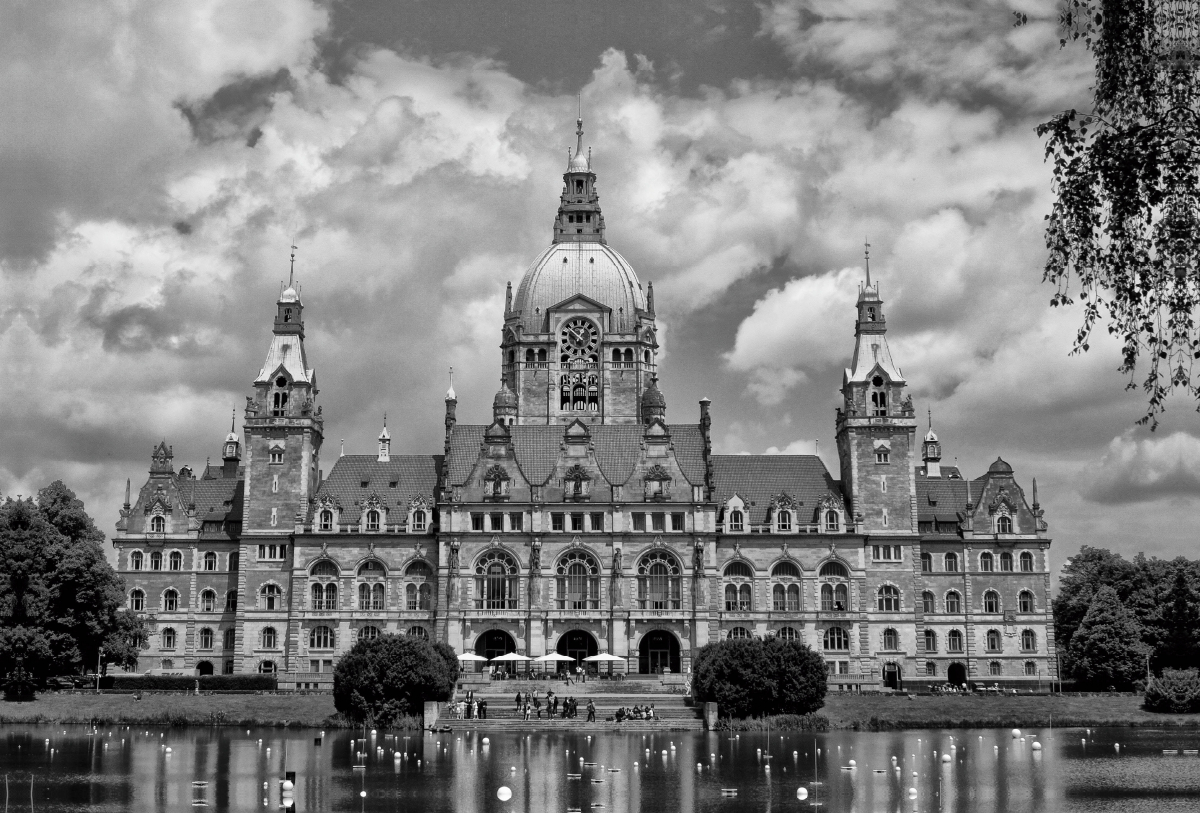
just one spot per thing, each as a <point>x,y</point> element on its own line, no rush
<point>940,498</point>
<point>414,475</point>
<point>538,449</point>
<point>758,478</point>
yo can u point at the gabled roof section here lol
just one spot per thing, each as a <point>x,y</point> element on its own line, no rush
<point>414,476</point>
<point>758,478</point>
<point>587,302</point>
<point>941,499</point>
<point>286,352</point>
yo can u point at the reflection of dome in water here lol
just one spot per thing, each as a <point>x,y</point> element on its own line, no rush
<point>566,269</point>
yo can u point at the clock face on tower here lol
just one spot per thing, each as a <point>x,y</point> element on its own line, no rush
<point>579,339</point>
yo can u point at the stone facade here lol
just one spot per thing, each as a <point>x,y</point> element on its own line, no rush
<point>582,520</point>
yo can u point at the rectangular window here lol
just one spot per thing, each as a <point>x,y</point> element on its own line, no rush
<point>274,517</point>
<point>476,522</point>
<point>314,666</point>
<point>576,522</point>
<point>271,552</point>
<point>228,668</point>
<point>275,484</point>
<point>885,553</point>
<point>516,521</point>
<point>658,522</point>
<point>639,521</point>
<point>885,517</point>
<point>597,521</point>
<point>556,522</point>
<point>677,522</point>
<point>327,666</point>
<point>497,521</point>
<point>882,456</point>
<point>883,484</point>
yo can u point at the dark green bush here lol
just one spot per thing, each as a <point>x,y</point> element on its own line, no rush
<point>1175,691</point>
<point>751,677</point>
<point>380,681</point>
<point>179,683</point>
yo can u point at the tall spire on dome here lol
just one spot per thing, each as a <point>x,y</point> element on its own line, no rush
<point>579,219</point>
<point>867,259</point>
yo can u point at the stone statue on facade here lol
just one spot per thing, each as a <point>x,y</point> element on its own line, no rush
<point>453,561</point>
<point>535,557</point>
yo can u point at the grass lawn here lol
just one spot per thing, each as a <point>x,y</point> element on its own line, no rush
<point>881,712</point>
<point>303,710</point>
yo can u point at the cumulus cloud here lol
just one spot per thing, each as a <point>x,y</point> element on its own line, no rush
<point>1144,469</point>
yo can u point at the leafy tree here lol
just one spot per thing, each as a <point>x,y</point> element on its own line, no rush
<point>1125,175</point>
<point>378,681</point>
<point>1082,575</point>
<point>1175,691</point>
<point>1177,625</point>
<point>1106,652</point>
<point>750,677</point>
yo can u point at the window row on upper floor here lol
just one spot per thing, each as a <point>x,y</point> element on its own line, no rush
<point>328,519</point>
<point>168,639</point>
<point>988,562</point>
<point>782,520</point>
<point>993,641</point>
<point>169,601</point>
<point>173,560</point>
<point>990,602</point>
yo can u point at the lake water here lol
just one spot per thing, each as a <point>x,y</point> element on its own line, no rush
<point>122,769</point>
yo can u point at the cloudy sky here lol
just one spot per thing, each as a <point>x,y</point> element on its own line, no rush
<point>158,157</point>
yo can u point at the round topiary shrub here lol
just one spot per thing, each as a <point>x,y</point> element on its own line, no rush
<point>381,680</point>
<point>751,677</point>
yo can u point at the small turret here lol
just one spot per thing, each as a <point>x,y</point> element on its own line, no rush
<point>504,406</point>
<point>385,443</point>
<point>654,405</point>
<point>231,450</point>
<point>931,452</point>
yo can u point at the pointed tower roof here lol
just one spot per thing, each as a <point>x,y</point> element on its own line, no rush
<point>286,352</point>
<point>871,349</point>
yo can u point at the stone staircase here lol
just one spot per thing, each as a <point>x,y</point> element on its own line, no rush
<point>671,713</point>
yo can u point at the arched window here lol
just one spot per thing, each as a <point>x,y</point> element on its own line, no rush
<point>170,601</point>
<point>986,562</point>
<point>786,598</point>
<point>368,633</point>
<point>953,602</point>
<point>176,560</point>
<point>419,520</point>
<point>137,601</point>
<point>208,601</point>
<point>616,356</point>
<point>889,599</point>
<point>206,638</point>
<point>994,668</point>
<point>1030,669</point>
<point>658,581</point>
<point>930,641</point>
<point>646,356</point>
<point>158,525</point>
<point>1006,562</point>
<point>1004,524</point>
<point>231,601</point>
<point>271,597</point>
<point>891,639</point>
<point>879,399</point>
<point>268,638</point>
<point>736,521</point>
<point>320,638</point>
<point>1026,562</point>
<point>991,602</point>
<point>993,640</point>
<point>267,668</point>
<point>210,561</point>
<point>954,641</point>
<point>234,559</point>
<point>326,520</point>
<point>578,581</point>
<point>836,640</point>
<point>371,596</point>
<point>496,581</point>
<point>372,569</point>
<point>833,522</point>
<point>951,562</point>
<point>168,638</point>
<point>325,569</point>
<point>230,638</point>
<point>834,598</point>
<point>324,596</point>
<point>156,560</point>
<point>135,560</point>
<point>739,633</point>
<point>930,669</point>
<point>1028,641</point>
<point>788,634</point>
<point>1025,602</point>
<point>739,570</point>
<point>926,563</point>
<point>784,521</point>
<point>372,520</point>
<point>418,632</point>
<point>834,570</point>
<point>927,603</point>
<point>785,570</point>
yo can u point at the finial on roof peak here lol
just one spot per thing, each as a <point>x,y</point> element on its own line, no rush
<point>867,259</point>
<point>450,396</point>
<point>579,162</point>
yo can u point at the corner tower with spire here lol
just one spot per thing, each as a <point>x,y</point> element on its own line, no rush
<point>876,428</point>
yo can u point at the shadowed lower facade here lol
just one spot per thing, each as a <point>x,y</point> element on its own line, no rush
<point>585,519</point>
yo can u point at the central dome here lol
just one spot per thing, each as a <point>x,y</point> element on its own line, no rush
<point>566,269</point>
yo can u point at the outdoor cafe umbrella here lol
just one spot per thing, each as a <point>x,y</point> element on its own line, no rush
<point>552,657</point>
<point>510,657</point>
<point>604,657</point>
<point>469,657</point>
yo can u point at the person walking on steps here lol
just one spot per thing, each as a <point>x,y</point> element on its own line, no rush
<point>518,701</point>
<point>591,707</point>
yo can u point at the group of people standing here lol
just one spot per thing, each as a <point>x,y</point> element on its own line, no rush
<point>469,708</point>
<point>530,703</point>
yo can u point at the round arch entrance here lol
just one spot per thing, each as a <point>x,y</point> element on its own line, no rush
<point>892,676</point>
<point>658,652</point>
<point>956,674</point>
<point>204,668</point>
<point>493,644</point>
<point>577,644</point>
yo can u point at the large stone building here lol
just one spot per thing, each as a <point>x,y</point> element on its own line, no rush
<point>585,518</point>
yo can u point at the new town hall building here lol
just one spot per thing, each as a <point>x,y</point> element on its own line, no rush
<point>587,517</point>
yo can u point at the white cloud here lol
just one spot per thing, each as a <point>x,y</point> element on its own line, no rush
<point>1145,469</point>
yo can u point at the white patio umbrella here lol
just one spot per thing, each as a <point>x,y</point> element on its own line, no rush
<point>553,656</point>
<point>511,656</point>
<point>604,657</point>
<point>471,656</point>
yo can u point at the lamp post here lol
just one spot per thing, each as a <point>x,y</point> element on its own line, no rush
<point>99,655</point>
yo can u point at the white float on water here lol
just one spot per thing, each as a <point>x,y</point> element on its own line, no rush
<point>802,793</point>
<point>288,786</point>
<point>946,757</point>
<point>853,764</point>
<point>1037,746</point>
<point>1016,732</point>
<point>912,793</point>
<point>504,793</point>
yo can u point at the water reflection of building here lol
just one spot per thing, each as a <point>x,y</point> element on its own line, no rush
<point>582,520</point>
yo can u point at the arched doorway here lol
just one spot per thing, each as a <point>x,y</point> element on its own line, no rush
<point>956,674</point>
<point>658,652</point>
<point>493,644</point>
<point>204,668</point>
<point>577,644</point>
<point>891,676</point>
